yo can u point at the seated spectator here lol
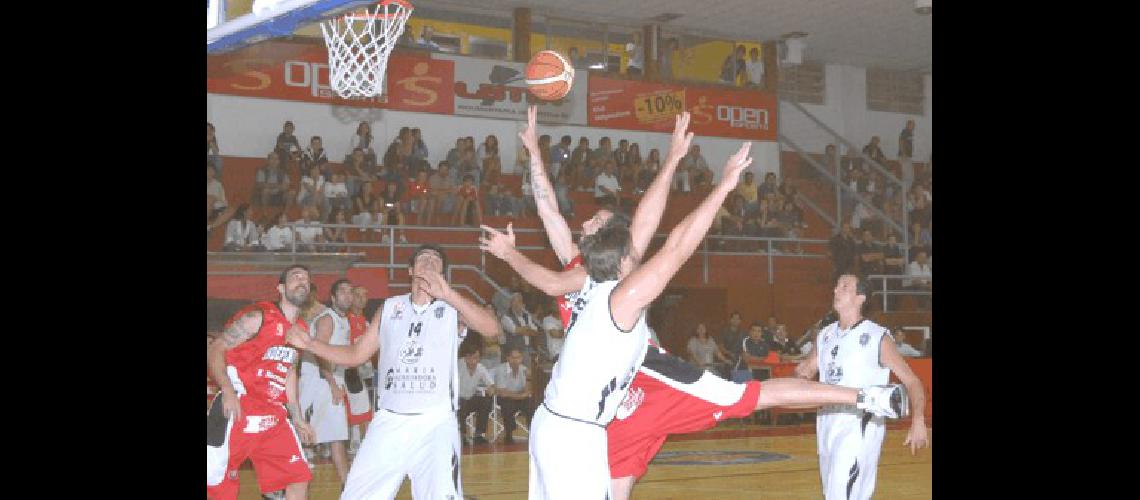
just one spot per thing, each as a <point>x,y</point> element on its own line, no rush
<point>513,391</point>
<point>578,160</point>
<point>921,272</point>
<point>362,201</point>
<point>873,150</point>
<point>335,195</point>
<point>417,158</point>
<point>362,139</point>
<point>453,158</point>
<point>355,172</point>
<point>894,262</point>
<point>633,165</point>
<point>310,192</point>
<point>871,257</point>
<point>215,195</point>
<point>416,197</point>
<point>476,387</point>
<point>769,186</point>
<point>441,197</point>
<point>918,205</point>
<point>519,326</point>
<point>425,41</point>
<point>308,233</point>
<point>555,334</point>
<point>499,201</point>
<point>768,220</point>
<point>904,348</point>
<point>831,163</point>
<point>468,167</point>
<point>213,154</point>
<point>288,148</point>
<point>750,192</point>
<point>789,222</point>
<point>314,154</point>
<point>621,155</point>
<point>468,202</point>
<point>502,298</point>
<point>560,155</point>
<point>363,219</point>
<point>696,170</point>
<point>603,153</point>
<point>272,183</point>
<point>755,351</point>
<point>488,149</point>
<point>842,249</point>
<point>279,237</point>
<point>336,238</point>
<point>242,234</point>
<point>393,214</point>
<point>606,187</point>
<point>704,351</point>
<point>780,343</point>
<point>492,171</point>
<point>862,217</point>
<point>920,238</point>
<point>562,194</point>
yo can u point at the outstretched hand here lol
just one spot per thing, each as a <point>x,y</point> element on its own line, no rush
<point>529,136</point>
<point>916,437</point>
<point>497,243</point>
<point>736,165</point>
<point>679,145</point>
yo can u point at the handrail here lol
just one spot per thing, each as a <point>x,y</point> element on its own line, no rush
<point>886,292</point>
<point>850,146</point>
<point>815,208</point>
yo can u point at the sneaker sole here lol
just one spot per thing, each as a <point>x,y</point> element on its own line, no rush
<point>900,401</point>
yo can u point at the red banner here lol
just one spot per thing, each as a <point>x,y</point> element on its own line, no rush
<point>719,112</point>
<point>300,72</point>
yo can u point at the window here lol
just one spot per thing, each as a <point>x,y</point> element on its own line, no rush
<point>895,91</point>
<point>803,83</point>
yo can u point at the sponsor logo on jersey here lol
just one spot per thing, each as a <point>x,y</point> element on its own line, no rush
<point>717,415</point>
<point>439,312</point>
<point>834,373</point>
<point>633,399</point>
<point>259,423</point>
<point>398,310</point>
<point>411,353</point>
<point>281,353</point>
<point>863,339</point>
<point>233,474</point>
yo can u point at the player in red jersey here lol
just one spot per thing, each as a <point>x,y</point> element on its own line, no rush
<point>257,373</point>
<point>667,395</point>
<point>359,406</point>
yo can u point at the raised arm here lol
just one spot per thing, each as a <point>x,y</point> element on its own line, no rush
<point>645,283</point>
<point>551,282</point>
<point>556,228</point>
<point>889,357</point>
<point>652,205</point>
<point>241,328</point>
<point>476,317</point>
<point>347,355</point>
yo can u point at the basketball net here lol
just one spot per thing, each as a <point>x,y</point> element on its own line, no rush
<point>359,44</point>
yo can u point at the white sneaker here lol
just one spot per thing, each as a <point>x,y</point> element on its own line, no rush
<point>274,495</point>
<point>888,401</point>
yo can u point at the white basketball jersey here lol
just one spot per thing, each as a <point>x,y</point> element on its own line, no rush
<point>851,358</point>
<point>598,360</point>
<point>340,336</point>
<point>418,356</point>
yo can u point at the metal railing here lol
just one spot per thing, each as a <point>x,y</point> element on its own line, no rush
<point>886,291</point>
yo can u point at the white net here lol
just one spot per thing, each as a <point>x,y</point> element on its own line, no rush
<point>359,45</point>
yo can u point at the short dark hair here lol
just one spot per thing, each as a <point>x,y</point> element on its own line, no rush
<point>469,177</point>
<point>425,247</point>
<point>315,138</point>
<point>566,138</point>
<point>336,284</point>
<point>285,273</point>
<point>603,251</point>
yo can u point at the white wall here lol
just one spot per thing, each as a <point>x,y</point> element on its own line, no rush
<point>845,111</point>
<point>248,127</point>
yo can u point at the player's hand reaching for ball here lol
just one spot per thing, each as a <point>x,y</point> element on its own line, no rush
<point>298,337</point>
<point>916,438</point>
<point>499,244</point>
<point>679,146</point>
<point>529,136</point>
<point>735,166</point>
<point>435,285</point>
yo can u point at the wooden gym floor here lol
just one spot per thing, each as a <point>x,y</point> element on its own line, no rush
<point>500,472</point>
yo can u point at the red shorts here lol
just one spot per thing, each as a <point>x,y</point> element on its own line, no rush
<point>669,396</point>
<point>275,452</point>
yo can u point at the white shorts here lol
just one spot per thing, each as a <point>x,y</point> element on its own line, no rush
<point>849,442</point>
<point>424,446</point>
<point>329,421</point>
<point>567,459</point>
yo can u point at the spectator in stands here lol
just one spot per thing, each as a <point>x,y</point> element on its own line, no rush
<point>636,52</point>
<point>755,350</point>
<point>733,337</point>
<point>310,192</point>
<point>468,167</point>
<point>393,212</point>
<point>215,194</point>
<point>213,154</point>
<point>873,150</point>
<point>769,330</point>
<point>308,233</point>
<point>749,191</point>
<point>697,170</point>
<point>552,328</point>
<point>769,185</point>
<point>576,60</point>
<point>704,351</point>
<point>416,196</point>
<point>906,152</point>
<point>904,348</point>
<point>336,238</point>
<point>621,154</point>
<point>580,154</point>
<point>335,195</point>
<point>502,298</point>
<point>453,158</point>
<point>288,148</point>
<point>417,158</point>
<point>768,220</point>
<point>512,387</point>
<point>467,201</point>
<point>733,67</point>
<point>789,221</point>
<point>646,175</point>
<point>314,154</point>
<point>497,204</point>
<point>894,262</point>
<point>377,214</point>
<point>606,186</point>
<point>362,211</point>
<point>754,70</point>
<point>830,161</point>
<point>633,165</point>
<point>920,239</point>
<point>441,194</point>
<point>362,200</point>
<point>271,182</point>
<point>918,205</point>
<point>780,343</point>
<point>355,174</point>
<point>921,273</point>
<point>475,389</point>
<point>520,326</point>
<point>560,155</point>
<point>842,248</point>
<point>604,151</point>
<point>488,149</point>
<point>871,257</point>
<point>279,237</point>
<point>862,217</point>
<point>242,234</point>
<point>362,139</point>
<point>425,41</point>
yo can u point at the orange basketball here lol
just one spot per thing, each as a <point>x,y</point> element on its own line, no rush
<point>549,75</point>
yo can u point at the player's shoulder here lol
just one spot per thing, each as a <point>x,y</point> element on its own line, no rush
<point>870,326</point>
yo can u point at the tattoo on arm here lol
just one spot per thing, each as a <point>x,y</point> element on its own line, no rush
<point>235,334</point>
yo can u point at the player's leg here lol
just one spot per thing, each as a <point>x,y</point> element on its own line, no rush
<point>239,445</point>
<point>339,454</point>
<point>793,392</point>
<point>279,462</point>
<point>434,458</point>
<point>621,487</point>
<point>872,434</point>
<point>379,467</point>
<point>556,442</point>
<point>840,451</point>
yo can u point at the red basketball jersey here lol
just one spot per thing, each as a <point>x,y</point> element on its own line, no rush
<point>263,362</point>
<point>356,326</point>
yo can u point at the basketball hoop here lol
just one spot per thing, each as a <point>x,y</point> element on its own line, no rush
<point>359,44</point>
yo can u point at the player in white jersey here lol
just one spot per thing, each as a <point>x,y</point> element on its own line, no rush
<point>416,432</point>
<point>322,382</point>
<point>856,352</point>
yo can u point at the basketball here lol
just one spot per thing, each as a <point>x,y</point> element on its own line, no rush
<point>549,75</point>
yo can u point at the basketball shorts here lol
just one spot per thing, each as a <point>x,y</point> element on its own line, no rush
<point>849,442</point>
<point>669,396</point>
<point>329,420</point>
<point>423,446</point>
<point>359,406</point>
<point>266,438</point>
<point>567,458</point>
